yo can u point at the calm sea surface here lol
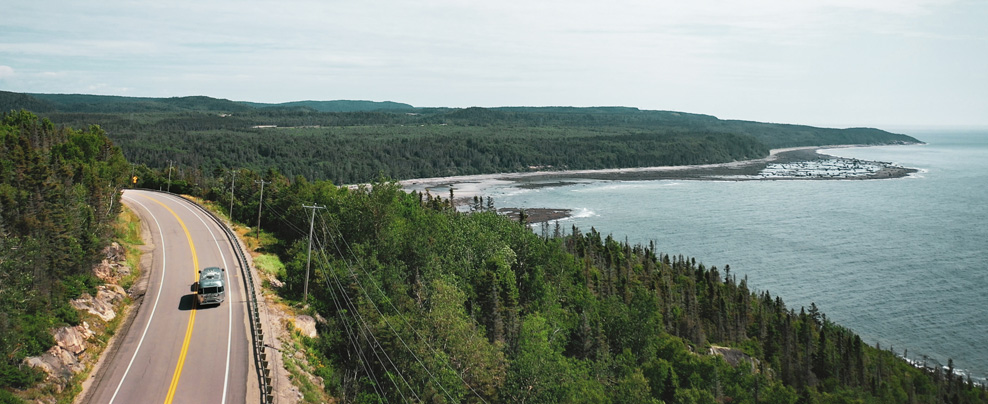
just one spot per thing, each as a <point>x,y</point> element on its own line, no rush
<point>902,262</point>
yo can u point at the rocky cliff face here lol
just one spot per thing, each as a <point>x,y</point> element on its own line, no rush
<point>68,356</point>
<point>113,267</point>
<point>734,356</point>
<point>62,360</point>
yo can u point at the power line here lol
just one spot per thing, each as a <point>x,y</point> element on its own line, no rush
<point>390,326</point>
<point>352,338</point>
<point>365,330</point>
<point>402,317</point>
<point>283,216</point>
<point>347,304</point>
<point>342,308</point>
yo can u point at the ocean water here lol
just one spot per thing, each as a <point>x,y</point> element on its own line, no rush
<point>902,262</point>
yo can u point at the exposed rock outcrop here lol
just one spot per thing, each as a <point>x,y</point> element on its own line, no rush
<point>306,325</point>
<point>73,339</point>
<point>113,266</point>
<point>62,360</point>
<point>734,356</point>
<point>102,306</point>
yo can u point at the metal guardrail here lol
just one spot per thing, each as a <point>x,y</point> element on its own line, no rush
<point>261,362</point>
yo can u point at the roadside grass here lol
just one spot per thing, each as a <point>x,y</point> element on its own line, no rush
<point>270,264</point>
<point>127,231</point>
<point>128,227</point>
<point>248,235</point>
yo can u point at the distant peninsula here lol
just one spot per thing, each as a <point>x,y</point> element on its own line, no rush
<point>798,163</point>
<point>352,142</point>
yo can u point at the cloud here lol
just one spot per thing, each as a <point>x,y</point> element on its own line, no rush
<point>766,59</point>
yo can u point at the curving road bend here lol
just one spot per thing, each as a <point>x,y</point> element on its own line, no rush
<point>174,351</point>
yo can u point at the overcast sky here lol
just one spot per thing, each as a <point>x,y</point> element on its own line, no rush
<point>835,63</point>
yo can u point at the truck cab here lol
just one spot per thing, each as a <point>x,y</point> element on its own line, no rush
<point>210,288</point>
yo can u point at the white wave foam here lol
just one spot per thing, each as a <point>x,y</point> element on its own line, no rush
<point>919,173</point>
<point>510,192</point>
<point>583,213</point>
<point>605,187</point>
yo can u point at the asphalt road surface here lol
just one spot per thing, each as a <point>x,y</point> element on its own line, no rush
<point>175,351</point>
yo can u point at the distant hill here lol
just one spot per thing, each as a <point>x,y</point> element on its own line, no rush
<point>336,106</point>
<point>771,134</point>
<point>14,101</point>
<point>112,104</point>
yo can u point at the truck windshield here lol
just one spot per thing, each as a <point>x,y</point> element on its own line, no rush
<point>210,290</point>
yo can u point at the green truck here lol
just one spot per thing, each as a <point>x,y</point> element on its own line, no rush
<point>210,287</point>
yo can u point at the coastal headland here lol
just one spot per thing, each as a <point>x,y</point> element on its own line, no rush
<point>797,163</point>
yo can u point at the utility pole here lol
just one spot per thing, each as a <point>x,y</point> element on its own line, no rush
<point>259,204</point>
<point>169,176</point>
<point>233,183</point>
<point>308,260</point>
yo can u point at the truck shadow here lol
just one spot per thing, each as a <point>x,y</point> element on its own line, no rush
<point>187,302</point>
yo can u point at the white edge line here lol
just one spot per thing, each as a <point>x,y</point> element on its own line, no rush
<point>153,307</point>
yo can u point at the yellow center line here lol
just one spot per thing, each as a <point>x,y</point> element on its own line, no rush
<point>192,317</point>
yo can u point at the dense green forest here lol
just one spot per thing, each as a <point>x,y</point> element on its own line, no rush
<point>354,142</point>
<point>58,197</point>
<point>425,303</point>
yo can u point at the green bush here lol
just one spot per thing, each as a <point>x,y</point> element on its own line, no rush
<point>75,285</point>
<point>8,398</point>
<point>17,376</point>
<point>35,335</point>
<point>67,314</point>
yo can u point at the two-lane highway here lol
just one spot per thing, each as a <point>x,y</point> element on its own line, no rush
<point>174,351</point>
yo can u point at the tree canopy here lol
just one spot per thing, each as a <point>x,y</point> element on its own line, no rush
<point>58,197</point>
<point>352,142</point>
<point>425,303</point>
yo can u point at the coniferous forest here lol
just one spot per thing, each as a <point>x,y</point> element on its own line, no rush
<point>351,142</point>
<point>59,193</point>
<point>422,302</point>
<point>425,303</point>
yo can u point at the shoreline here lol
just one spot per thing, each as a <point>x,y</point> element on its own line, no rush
<point>583,174</point>
<point>786,164</point>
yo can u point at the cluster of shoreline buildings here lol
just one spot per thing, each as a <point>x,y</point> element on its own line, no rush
<point>829,168</point>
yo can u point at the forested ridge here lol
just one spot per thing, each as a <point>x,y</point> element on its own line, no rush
<point>58,197</point>
<point>425,303</point>
<point>359,141</point>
